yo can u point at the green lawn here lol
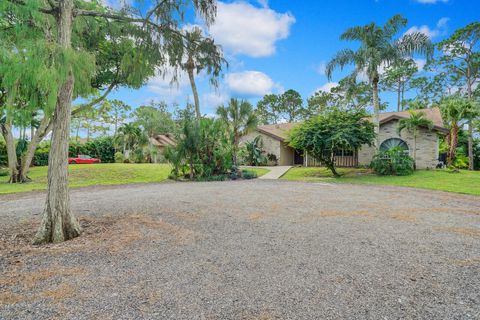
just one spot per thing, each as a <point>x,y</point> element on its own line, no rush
<point>99,174</point>
<point>95,174</point>
<point>467,182</point>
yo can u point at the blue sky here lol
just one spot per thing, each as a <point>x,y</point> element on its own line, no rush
<point>278,45</point>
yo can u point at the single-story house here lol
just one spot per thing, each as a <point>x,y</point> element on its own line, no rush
<point>274,138</point>
<point>162,141</point>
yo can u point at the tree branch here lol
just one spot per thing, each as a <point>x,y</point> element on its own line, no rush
<point>95,101</point>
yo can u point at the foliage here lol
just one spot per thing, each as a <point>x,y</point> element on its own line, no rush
<point>378,47</point>
<point>201,54</point>
<point>203,150</point>
<point>239,119</point>
<point>392,162</point>
<point>4,172</point>
<point>398,78</point>
<point>413,123</point>
<point>287,106</point>
<point>334,130</point>
<point>3,154</point>
<point>254,155</point>
<point>348,94</point>
<point>41,154</point>
<point>249,174</point>
<point>119,158</point>
<point>154,119</point>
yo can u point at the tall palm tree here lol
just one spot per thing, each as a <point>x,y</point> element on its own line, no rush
<point>201,54</point>
<point>240,118</point>
<point>378,49</point>
<point>412,124</point>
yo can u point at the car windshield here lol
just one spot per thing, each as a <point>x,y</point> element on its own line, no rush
<point>84,157</point>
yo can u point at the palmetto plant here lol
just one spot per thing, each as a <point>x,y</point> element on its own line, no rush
<point>412,124</point>
<point>240,119</point>
<point>378,49</point>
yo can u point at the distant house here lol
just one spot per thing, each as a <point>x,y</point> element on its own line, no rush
<point>275,136</point>
<point>162,141</point>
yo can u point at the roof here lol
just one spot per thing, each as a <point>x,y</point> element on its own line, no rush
<point>433,114</point>
<point>163,140</point>
<point>280,131</point>
<point>277,131</point>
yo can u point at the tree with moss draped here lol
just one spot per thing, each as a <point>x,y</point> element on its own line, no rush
<point>334,130</point>
<point>69,77</point>
<point>113,45</point>
<point>412,124</point>
<point>379,48</point>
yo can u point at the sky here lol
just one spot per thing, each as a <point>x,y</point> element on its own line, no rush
<point>272,46</point>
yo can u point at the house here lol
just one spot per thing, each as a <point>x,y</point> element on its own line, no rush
<point>162,141</point>
<point>275,142</point>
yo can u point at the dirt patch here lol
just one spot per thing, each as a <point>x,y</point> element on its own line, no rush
<point>404,217</point>
<point>28,280</point>
<point>60,293</point>
<point>471,232</point>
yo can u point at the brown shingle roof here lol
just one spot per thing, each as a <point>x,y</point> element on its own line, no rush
<point>163,140</point>
<point>280,131</point>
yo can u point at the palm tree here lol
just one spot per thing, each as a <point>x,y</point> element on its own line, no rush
<point>412,124</point>
<point>240,118</point>
<point>378,49</point>
<point>454,109</point>
<point>201,53</point>
<point>129,136</point>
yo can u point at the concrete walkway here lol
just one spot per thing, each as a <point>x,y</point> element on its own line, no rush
<point>275,172</point>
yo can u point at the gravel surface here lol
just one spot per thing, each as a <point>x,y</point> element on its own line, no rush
<point>246,250</point>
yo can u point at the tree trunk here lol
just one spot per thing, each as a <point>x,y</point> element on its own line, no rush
<point>415,150</point>
<point>452,148</point>
<point>191,76</point>
<point>58,223</point>
<point>399,95</point>
<point>26,162</point>
<point>11,151</point>
<point>470,145</point>
<point>376,110</point>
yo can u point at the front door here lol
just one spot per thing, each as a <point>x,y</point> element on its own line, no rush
<point>298,157</point>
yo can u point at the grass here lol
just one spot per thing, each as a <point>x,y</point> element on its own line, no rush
<point>467,182</point>
<point>260,171</point>
<point>91,175</point>
<point>98,174</point>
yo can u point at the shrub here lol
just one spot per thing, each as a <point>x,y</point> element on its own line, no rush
<point>3,154</point>
<point>41,154</point>
<point>392,162</point>
<point>102,148</point>
<point>249,174</point>
<point>4,172</point>
<point>203,150</point>
<point>119,158</point>
<point>254,153</point>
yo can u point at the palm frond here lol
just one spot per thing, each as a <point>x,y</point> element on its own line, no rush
<point>341,59</point>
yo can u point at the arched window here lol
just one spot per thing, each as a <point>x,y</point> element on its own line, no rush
<point>392,143</point>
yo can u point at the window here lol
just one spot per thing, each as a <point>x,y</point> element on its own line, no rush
<point>392,143</point>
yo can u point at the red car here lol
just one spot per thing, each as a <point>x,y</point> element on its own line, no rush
<point>83,159</point>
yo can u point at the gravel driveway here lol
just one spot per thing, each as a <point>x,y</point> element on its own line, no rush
<point>246,250</point>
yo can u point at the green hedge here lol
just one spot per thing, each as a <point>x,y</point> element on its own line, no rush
<point>3,154</point>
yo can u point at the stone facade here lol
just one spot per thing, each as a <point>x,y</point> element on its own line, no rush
<point>427,145</point>
<point>281,150</point>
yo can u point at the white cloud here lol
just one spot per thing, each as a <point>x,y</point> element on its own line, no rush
<point>242,28</point>
<point>250,83</point>
<point>420,63</point>
<point>214,99</point>
<point>431,1</point>
<point>327,87</point>
<point>321,68</point>
<point>440,28</point>
<point>161,84</point>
